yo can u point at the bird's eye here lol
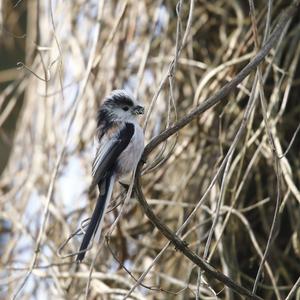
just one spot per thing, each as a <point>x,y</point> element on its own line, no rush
<point>125,108</point>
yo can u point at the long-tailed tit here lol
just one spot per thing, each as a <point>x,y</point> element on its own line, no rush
<point>120,142</point>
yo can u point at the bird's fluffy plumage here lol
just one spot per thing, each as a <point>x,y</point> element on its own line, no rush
<point>120,142</point>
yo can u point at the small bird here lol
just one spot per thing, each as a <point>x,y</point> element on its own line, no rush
<point>120,144</point>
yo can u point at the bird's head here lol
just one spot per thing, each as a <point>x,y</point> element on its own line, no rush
<point>121,106</point>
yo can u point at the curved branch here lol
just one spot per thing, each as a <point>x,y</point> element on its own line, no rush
<point>183,247</point>
<point>211,101</point>
<point>231,85</point>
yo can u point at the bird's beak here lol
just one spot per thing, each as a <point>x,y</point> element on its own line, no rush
<point>138,110</point>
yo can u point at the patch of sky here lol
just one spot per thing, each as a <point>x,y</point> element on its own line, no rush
<point>73,183</point>
<point>162,20</point>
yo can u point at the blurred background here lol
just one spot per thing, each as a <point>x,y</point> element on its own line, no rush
<point>59,59</point>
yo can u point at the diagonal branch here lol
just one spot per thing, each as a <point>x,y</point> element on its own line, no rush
<point>183,247</point>
<point>231,85</point>
<point>211,101</point>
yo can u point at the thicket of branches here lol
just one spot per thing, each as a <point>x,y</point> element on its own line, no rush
<point>215,211</point>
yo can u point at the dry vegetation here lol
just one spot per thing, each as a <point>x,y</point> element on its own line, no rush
<point>224,175</point>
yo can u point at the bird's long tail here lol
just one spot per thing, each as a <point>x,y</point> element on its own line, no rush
<point>97,218</point>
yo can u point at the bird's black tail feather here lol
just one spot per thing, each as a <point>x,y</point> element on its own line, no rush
<point>97,216</point>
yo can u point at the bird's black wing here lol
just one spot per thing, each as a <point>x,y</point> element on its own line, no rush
<point>107,156</point>
<point>103,178</point>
